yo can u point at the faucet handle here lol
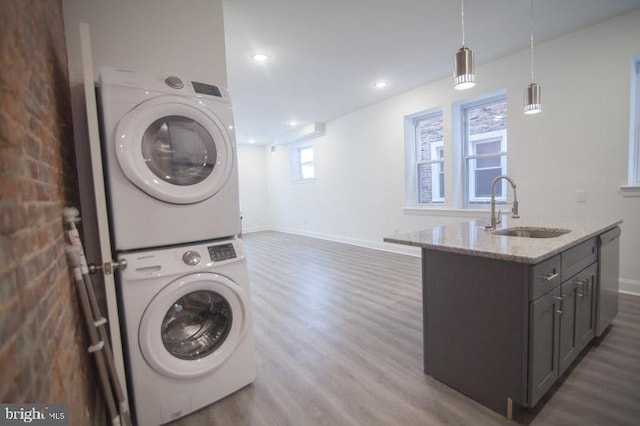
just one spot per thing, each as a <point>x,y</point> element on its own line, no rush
<point>499,217</point>
<point>514,210</point>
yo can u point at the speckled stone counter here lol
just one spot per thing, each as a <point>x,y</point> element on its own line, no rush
<point>471,238</point>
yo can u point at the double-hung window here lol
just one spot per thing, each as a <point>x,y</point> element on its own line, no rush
<point>484,147</point>
<point>427,145</point>
<point>302,164</point>
<point>307,170</point>
<point>477,155</point>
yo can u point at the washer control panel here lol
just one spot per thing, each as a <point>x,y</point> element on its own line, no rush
<point>206,89</point>
<point>221,252</point>
<point>191,257</point>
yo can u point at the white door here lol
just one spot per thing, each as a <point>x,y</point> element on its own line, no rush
<point>174,149</point>
<point>193,325</point>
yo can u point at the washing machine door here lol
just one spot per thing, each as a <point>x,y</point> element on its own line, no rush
<point>174,149</point>
<point>193,325</point>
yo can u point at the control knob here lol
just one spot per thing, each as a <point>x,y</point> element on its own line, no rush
<point>191,257</point>
<point>174,82</point>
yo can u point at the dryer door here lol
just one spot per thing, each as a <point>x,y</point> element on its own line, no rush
<point>174,149</point>
<point>193,325</point>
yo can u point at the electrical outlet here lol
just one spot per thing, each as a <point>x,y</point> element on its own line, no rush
<point>581,196</point>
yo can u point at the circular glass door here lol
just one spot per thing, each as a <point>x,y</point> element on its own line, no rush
<point>178,150</point>
<point>193,325</point>
<point>174,149</point>
<point>196,324</point>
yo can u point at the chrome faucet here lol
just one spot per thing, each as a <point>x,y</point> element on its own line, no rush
<point>496,219</point>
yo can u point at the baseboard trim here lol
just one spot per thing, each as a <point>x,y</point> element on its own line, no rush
<point>251,230</point>
<point>627,286</point>
<point>375,245</point>
<point>630,286</point>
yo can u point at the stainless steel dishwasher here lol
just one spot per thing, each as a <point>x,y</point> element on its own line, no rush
<point>608,279</point>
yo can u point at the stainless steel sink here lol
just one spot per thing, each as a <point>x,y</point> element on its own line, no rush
<point>531,232</point>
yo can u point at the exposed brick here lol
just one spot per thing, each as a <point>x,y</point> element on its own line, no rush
<point>10,159</point>
<point>12,313</point>
<point>11,131</point>
<point>9,358</point>
<point>12,218</point>
<point>42,336</point>
<point>7,187</point>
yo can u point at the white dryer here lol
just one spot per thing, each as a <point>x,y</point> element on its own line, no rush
<point>170,160</point>
<point>188,326</point>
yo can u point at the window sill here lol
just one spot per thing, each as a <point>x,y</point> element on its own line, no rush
<point>446,211</point>
<point>298,181</point>
<point>630,191</point>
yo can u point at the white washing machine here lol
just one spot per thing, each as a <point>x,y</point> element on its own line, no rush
<point>188,325</point>
<point>170,160</point>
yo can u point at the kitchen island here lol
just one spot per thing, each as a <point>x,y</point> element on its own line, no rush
<point>505,316</point>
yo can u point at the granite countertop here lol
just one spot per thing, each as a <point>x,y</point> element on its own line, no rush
<point>471,238</point>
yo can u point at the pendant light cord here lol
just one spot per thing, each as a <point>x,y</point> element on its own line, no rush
<point>531,23</point>
<point>462,18</point>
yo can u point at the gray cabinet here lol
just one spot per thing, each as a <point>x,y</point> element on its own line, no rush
<point>544,335</point>
<point>503,332</point>
<point>562,321</point>
<point>561,325</point>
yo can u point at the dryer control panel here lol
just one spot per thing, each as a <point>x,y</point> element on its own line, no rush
<point>221,252</point>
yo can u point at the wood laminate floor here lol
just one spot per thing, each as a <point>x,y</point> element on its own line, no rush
<point>338,333</point>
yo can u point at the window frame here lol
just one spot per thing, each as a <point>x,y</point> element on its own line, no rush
<point>437,178</point>
<point>413,162</point>
<point>496,136</point>
<point>634,126</point>
<point>297,164</point>
<point>469,200</point>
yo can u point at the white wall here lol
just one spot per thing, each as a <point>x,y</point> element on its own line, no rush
<point>254,199</point>
<point>578,143</point>
<point>163,36</point>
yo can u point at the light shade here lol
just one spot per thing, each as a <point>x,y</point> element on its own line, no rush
<point>532,103</point>
<point>464,76</point>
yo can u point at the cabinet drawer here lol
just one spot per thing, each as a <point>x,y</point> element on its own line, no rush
<point>545,276</point>
<point>577,258</point>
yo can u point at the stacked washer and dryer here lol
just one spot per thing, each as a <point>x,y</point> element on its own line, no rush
<point>172,183</point>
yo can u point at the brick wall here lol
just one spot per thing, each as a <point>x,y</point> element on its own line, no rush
<point>43,355</point>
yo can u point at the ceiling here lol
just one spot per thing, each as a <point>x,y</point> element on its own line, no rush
<point>325,55</point>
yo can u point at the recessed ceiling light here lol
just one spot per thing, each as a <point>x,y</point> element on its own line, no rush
<point>252,141</point>
<point>260,57</point>
<point>381,84</point>
<point>293,123</point>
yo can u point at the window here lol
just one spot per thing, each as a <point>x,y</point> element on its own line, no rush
<point>484,147</point>
<point>476,154</point>
<point>306,162</point>
<point>426,146</point>
<point>302,163</point>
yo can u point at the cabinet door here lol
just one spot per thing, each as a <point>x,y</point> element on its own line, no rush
<point>577,321</point>
<point>544,333</point>
<point>585,306</point>
<point>569,348</point>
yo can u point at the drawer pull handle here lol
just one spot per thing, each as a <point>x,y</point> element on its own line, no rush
<point>550,276</point>
<point>561,299</point>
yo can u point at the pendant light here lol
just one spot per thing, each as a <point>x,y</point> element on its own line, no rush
<point>464,75</point>
<point>532,103</point>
